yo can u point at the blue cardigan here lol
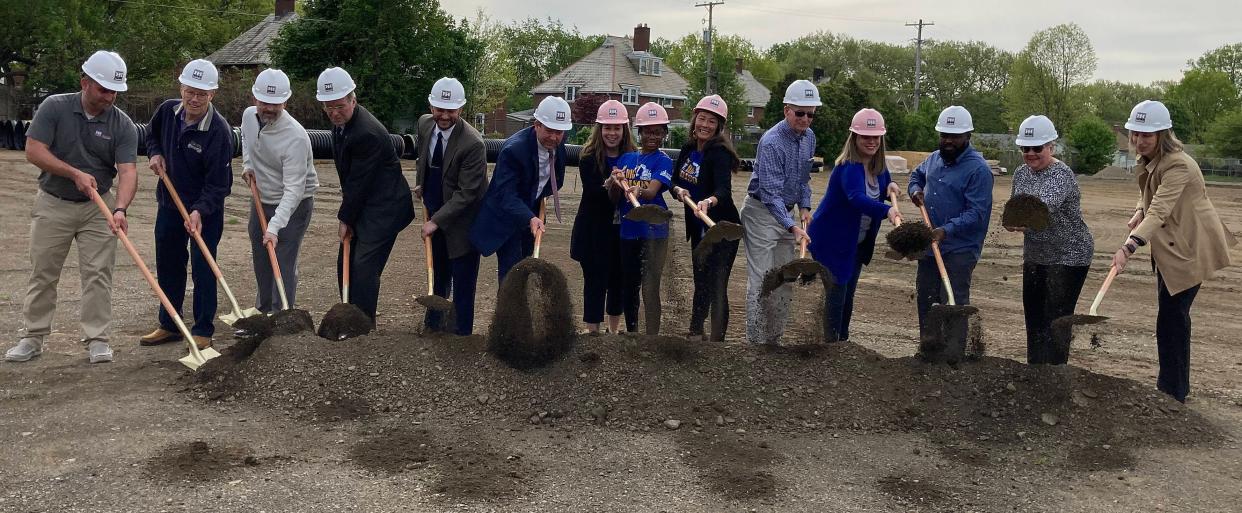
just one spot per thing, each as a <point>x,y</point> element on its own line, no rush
<point>506,209</point>
<point>834,225</point>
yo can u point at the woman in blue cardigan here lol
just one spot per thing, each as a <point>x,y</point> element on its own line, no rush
<point>844,227</point>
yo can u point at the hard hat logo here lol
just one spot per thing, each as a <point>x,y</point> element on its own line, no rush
<point>1141,117</point>
<point>560,115</point>
<point>612,112</point>
<point>871,123</point>
<point>809,93</point>
<point>446,94</point>
<point>714,102</point>
<point>651,113</point>
<point>198,74</point>
<point>271,89</point>
<point>950,120</point>
<point>327,86</point>
<point>1029,132</point>
<point>119,75</point>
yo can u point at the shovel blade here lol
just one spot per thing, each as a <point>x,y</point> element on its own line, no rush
<point>194,361</point>
<point>652,214</point>
<point>231,318</point>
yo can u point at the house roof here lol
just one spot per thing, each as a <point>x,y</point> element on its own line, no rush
<point>756,94</point>
<point>251,47</point>
<point>594,73</point>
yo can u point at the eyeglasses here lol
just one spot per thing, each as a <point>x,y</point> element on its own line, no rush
<point>800,114</point>
<point>1032,149</point>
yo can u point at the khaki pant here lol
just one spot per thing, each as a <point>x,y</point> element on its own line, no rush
<point>768,245</point>
<point>54,225</point>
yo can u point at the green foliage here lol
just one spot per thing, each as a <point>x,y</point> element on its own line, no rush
<point>539,49</point>
<point>773,111</point>
<point>678,136</point>
<point>832,120</point>
<point>1094,143</point>
<point>1226,59</point>
<point>1198,99</point>
<point>919,132</point>
<point>1111,101</point>
<point>1225,135</point>
<point>744,149</point>
<point>1045,76</point>
<point>493,77</point>
<point>394,50</point>
<point>688,56</point>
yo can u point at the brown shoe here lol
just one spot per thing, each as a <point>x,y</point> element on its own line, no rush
<point>159,336</point>
<point>202,342</point>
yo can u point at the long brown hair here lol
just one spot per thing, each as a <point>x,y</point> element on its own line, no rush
<point>595,147</point>
<point>722,138</point>
<point>874,166</point>
<point>1166,142</point>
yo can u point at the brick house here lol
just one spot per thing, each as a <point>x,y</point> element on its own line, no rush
<point>757,95</point>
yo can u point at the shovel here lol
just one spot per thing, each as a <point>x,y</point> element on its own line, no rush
<point>651,214</point>
<point>295,320</point>
<point>344,320</point>
<point>1063,327</point>
<point>197,357</point>
<point>947,326</point>
<point>237,313</point>
<point>907,240</point>
<point>435,303</point>
<point>801,269</point>
<point>716,232</point>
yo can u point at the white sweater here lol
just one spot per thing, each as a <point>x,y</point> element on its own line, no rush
<point>284,167</point>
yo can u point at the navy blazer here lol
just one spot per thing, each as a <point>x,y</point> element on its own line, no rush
<point>507,207</point>
<point>835,223</point>
<point>375,197</point>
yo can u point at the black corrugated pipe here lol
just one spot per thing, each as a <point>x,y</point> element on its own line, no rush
<point>6,134</point>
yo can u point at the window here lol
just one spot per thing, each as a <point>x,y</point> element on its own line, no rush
<point>666,102</point>
<point>644,66</point>
<point>629,95</point>
<point>655,67</point>
<point>571,92</point>
<point>480,119</point>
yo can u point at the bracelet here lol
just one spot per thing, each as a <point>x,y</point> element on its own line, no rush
<point>121,210</point>
<point>1130,247</point>
<point>1138,241</point>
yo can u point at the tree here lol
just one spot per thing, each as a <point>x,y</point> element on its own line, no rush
<point>773,111</point>
<point>1045,75</point>
<point>492,78</point>
<point>1225,135</point>
<point>395,50</point>
<point>1094,143</point>
<point>1226,59</point>
<point>1198,99</point>
<point>1111,101</point>
<point>585,107</point>
<point>538,50</point>
<point>688,56</point>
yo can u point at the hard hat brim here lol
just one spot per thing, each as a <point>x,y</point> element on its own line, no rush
<point>870,133</point>
<point>612,121</point>
<point>198,85</point>
<point>266,98</point>
<point>327,97</point>
<point>953,130</point>
<point>1033,141</point>
<point>803,103</point>
<point>1135,127</point>
<point>555,126</point>
<point>440,104</point>
<point>119,88</point>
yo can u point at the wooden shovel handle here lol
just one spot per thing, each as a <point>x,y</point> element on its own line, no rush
<point>625,184</point>
<point>431,273</point>
<point>345,243</point>
<point>698,213</point>
<point>271,251</point>
<point>202,245</point>
<point>802,250</point>
<point>543,211</point>
<point>944,274</point>
<point>892,197</point>
<point>1099,297</point>
<point>146,273</point>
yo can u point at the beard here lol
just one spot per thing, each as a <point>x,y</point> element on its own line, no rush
<point>949,152</point>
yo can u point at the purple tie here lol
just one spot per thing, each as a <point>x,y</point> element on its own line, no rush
<point>556,195</point>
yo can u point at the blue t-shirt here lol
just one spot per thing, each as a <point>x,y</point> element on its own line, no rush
<point>688,175</point>
<point>641,169</point>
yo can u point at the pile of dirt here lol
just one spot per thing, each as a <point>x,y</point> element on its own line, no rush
<point>910,239</point>
<point>344,321</point>
<point>982,409</point>
<point>292,322</point>
<point>1026,211</point>
<point>533,324</point>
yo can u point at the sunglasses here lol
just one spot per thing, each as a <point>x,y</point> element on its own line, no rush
<point>801,114</point>
<point>1032,149</point>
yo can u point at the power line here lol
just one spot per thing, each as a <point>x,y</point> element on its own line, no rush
<point>801,14</point>
<point>918,58</point>
<point>707,88</point>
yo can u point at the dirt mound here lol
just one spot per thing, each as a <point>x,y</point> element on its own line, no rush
<point>731,465</point>
<point>464,467</point>
<point>197,461</point>
<point>344,321</point>
<point>1026,211</point>
<point>910,239</point>
<point>534,324</point>
<point>989,406</point>
<point>292,322</point>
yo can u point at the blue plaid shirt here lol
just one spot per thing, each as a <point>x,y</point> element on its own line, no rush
<point>782,175</point>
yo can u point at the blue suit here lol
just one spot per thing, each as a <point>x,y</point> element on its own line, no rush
<point>834,231</point>
<point>503,224</point>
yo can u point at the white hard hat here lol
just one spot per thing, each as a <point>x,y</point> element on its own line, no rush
<point>272,86</point>
<point>553,112</point>
<point>803,94</point>
<point>447,93</point>
<point>1036,131</point>
<point>106,68</point>
<point>200,74</point>
<point>955,119</point>
<point>1149,116</point>
<point>333,84</point>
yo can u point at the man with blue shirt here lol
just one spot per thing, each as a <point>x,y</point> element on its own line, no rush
<point>780,182</point>
<point>955,183</point>
<point>192,144</point>
<point>530,167</point>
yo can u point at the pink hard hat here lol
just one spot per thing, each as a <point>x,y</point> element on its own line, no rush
<point>651,113</point>
<point>868,122</point>
<point>612,112</point>
<point>715,105</point>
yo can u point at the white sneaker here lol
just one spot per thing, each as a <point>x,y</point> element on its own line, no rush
<point>26,348</point>
<point>99,351</point>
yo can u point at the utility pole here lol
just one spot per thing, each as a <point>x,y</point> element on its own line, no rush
<point>918,58</point>
<point>707,36</point>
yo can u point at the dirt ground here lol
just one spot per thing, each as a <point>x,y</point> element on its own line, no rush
<point>397,421</point>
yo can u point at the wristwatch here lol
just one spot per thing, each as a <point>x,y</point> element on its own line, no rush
<point>121,210</point>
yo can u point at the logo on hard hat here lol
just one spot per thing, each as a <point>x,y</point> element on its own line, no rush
<point>714,102</point>
<point>1141,117</point>
<point>809,93</point>
<point>327,86</point>
<point>870,122</point>
<point>197,75</point>
<point>950,120</point>
<point>560,115</point>
<point>651,113</point>
<point>119,75</point>
<point>271,90</point>
<point>445,94</point>
<point>612,112</point>
<point>1028,132</point>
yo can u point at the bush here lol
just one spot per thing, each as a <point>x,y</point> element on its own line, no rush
<point>1225,135</point>
<point>678,136</point>
<point>1095,144</point>
<point>745,149</point>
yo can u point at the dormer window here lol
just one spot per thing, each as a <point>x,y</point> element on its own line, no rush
<point>649,66</point>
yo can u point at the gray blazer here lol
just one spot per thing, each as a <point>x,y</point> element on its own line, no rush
<point>464,181</point>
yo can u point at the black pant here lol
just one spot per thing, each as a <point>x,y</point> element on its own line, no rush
<point>456,277</point>
<point>711,287</point>
<point>929,287</point>
<point>601,280</point>
<point>368,259</point>
<point>1048,292</point>
<point>1173,339</point>
<point>642,263</point>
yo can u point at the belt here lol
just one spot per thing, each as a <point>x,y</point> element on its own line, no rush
<point>788,206</point>
<point>62,198</point>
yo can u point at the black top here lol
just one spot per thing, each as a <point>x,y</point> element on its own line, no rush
<point>715,173</point>
<point>596,211</point>
<point>375,197</point>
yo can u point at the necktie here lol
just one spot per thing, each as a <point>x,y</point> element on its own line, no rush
<point>437,155</point>
<point>556,195</point>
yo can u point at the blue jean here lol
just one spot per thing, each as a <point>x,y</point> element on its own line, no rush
<point>173,246</point>
<point>928,287</point>
<point>1173,339</point>
<point>840,306</point>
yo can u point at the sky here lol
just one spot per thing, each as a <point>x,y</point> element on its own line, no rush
<point>1135,41</point>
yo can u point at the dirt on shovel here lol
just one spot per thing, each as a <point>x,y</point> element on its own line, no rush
<point>1026,211</point>
<point>535,326</point>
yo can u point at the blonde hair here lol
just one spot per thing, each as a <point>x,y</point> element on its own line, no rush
<point>849,153</point>
<point>1166,142</point>
<point>595,147</point>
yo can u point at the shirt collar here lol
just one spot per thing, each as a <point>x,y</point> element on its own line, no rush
<point>789,132</point>
<point>203,124</point>
<point>77,107</point>
<point>436,131</point>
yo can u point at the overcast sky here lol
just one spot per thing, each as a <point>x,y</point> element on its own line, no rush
<point>1135,40</point>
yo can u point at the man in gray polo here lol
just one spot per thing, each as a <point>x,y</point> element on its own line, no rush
<point>80,142</point>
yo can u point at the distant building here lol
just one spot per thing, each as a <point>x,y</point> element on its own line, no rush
<point>757,95</point>
<point>250,49</point>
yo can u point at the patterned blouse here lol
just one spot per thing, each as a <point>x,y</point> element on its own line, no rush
<point>1066,241</point>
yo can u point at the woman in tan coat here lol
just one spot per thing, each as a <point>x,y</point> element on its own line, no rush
<point>1188,240</point>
